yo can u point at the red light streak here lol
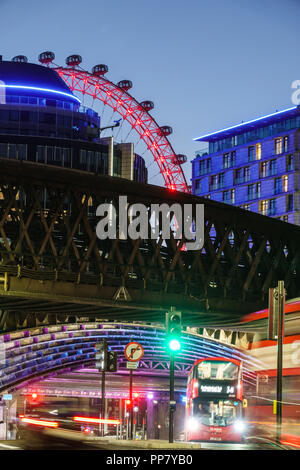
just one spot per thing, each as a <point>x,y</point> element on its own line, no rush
<point>86,419</point>
<point>40,422</point>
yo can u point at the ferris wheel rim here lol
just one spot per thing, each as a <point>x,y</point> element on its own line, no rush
<point>148,129</point>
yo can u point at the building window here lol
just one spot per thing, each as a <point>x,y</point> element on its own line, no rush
<point>273,167</point>
<point>253,191</point>
<point>263,207</point>
<point>289,203</point>
<point>272,207</point>
<point>258,151</point>
<point>246,207</point>
<point>229,159</point>
<point>251,153</point>
<point>278,146</point>
<point>242,175</point>
<point>285,143</point>
<point>229,196</point>
<point>3,150</point>
<point>221,180</point>
<point>232,196</point>
<point>202,167</point>
<point>198,185</point>
<point>285,218</point>
<point>238,176</point>
<point>277,186</point>
<point>213,182</point>
<point>217,181</point>
<point>83,158</point>
<point>57,155</point>
<point>226,160</point>
<point>289,163</point>
<point>285,180</point>
<point>263,169</point>
<point>226,196</point>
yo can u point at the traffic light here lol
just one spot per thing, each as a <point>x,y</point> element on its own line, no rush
<point>101,356</point>
<point>173,327</point>
<point>112,361</point>
<point>135,404</point>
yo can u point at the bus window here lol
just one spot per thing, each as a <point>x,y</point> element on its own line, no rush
<point>217,370</point>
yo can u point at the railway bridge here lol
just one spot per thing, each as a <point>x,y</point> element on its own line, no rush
<point>54,269</point>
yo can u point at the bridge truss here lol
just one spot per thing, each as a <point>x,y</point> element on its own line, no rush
<point>54,268</point>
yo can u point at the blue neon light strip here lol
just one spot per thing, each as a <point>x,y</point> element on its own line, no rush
<point>23,87</point>
<point>245,123</point>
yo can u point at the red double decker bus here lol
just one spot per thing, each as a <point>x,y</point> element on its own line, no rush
<point>214,401</point>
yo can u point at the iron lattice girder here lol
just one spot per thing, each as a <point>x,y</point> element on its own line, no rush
<point>55,242</point>
<point>99,88</point>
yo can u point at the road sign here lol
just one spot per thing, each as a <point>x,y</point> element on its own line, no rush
<point>134,351</point>
<point>132,365</point>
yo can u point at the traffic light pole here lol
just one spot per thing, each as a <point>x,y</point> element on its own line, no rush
<point>171,405</point>
<point>103,401</point>
<point>279,359</point>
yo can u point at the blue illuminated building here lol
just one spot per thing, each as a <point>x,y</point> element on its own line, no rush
<point>42,121</point>
<point>253,165</point>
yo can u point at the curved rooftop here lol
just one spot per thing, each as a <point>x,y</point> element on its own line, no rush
<point>32,79</point>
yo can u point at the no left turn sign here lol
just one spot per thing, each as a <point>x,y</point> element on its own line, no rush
<point>134,351</point>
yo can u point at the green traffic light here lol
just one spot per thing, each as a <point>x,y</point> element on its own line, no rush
<point>174,345</point>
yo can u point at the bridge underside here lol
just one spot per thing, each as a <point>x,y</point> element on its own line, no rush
<point>28,355</point>
<point>53,266</point>
<point>30,302</point>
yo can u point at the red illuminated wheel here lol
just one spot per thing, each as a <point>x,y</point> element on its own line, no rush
<point>96,88</point>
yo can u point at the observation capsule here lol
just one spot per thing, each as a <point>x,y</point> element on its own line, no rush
<point>99,70</point>
<point>73,60</point>
<point>125,84</point>
<point>46,57</point>
<point>166,130</point>
<point>20,58</point>
<point>147,105</point>
<point>179,159</point>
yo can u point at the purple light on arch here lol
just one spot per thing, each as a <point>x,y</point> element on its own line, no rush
<point>35,339</point>
<point>45,330</point>
<point>6,338</point>
<point>82,327</point>
<point>64,328</point>
<point>26,334</point>
<point>52,335</point>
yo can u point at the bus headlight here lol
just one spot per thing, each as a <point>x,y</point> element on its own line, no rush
<point>193,424</point>
<point>239,426</point>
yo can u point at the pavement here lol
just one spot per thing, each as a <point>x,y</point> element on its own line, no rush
<point>149,444</point>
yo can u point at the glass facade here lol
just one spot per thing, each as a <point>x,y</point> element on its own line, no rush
<point>255,134</point>
<point>42,121</point>
<point>257,176</point>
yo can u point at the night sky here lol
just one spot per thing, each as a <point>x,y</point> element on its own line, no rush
<point>206,64</point>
